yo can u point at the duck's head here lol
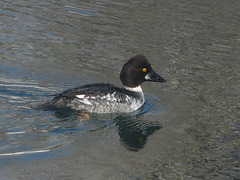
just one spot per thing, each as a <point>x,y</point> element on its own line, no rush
<point>138,70</point>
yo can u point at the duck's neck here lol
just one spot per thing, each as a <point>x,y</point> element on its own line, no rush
<point>134,89</point>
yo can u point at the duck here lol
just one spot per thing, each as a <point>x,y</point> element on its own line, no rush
<point>107,98</point>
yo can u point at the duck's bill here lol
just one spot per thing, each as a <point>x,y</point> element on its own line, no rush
<point>154,77</point>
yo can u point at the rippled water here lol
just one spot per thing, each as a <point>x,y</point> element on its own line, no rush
<point>188,128</point>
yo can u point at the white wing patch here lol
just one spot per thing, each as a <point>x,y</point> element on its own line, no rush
<point>81,96</point>
<point>83,100</point>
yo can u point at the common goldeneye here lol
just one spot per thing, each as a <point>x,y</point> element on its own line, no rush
<point>107,98</point>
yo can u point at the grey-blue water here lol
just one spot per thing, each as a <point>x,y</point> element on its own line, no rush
<point>189,127</point>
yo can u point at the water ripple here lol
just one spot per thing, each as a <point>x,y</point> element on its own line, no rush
<point>78,10</point>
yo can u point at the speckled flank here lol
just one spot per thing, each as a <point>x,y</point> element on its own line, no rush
<point>107,103</point>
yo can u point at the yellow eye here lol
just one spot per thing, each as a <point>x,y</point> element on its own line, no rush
<point>144,69</point>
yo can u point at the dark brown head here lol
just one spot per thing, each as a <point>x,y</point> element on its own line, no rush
<point>138,70</point>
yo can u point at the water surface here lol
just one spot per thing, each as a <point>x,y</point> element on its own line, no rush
<point>188,128</point>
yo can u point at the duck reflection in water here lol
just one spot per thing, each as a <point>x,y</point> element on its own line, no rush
<point>133,129</point>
